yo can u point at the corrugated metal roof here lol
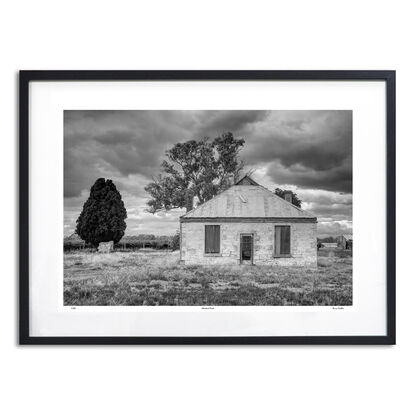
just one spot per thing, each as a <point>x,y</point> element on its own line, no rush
<point>247,201</point>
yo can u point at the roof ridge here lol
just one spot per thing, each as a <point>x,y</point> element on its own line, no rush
<point>250,179</point>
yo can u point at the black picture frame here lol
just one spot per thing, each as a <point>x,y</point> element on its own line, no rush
<point>26,77</point>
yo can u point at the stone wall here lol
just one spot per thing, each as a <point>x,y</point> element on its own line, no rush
<point>303,244</point>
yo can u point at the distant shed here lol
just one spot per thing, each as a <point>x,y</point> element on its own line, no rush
<point>345,241</point>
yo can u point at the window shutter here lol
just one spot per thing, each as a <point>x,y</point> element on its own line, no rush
<point>277,240</point>
<point>282,240</point>
<point>212,239</point>
<point>208,239</point>
<point>285,240</point>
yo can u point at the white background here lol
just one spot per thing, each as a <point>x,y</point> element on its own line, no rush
<point>207,35</point>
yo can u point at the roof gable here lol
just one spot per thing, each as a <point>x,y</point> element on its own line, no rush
<point>246,181</point>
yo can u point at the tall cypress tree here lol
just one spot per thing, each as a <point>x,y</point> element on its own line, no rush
<point>103,216</point>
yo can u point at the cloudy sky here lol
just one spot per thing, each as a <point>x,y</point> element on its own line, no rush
<point>309,152</point>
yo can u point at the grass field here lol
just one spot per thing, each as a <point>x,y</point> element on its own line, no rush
<point>156,278</point>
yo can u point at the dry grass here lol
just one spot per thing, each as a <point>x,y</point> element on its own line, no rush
<point>156,278</point>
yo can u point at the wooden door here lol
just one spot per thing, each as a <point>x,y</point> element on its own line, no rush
<point>247,249</point>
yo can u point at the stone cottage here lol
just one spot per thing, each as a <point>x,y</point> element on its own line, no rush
<point>248,224</point>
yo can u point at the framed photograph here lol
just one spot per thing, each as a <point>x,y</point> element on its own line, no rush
<point>207,207</point>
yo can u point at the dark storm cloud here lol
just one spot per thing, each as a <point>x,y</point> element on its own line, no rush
<point>337,178</point>
<point>214,123</point>
<point>305,148</point>
<point>125,142</point>
<point>308,150</point>
<point>134,142</point>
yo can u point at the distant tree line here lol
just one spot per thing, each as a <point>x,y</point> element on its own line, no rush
<point>129,242</point>
<point>327,239</point>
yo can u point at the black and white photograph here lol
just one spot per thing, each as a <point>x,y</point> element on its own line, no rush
<point>208,208</point>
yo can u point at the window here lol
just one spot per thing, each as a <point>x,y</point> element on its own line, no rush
<point>212,239</point>
<point>282,241</point>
